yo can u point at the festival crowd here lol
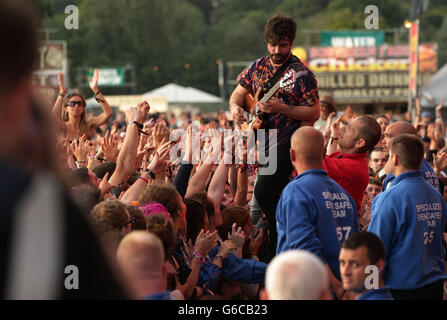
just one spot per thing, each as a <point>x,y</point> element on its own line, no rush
<point>154,206</point>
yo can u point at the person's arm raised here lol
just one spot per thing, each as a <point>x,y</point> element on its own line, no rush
<point>240,197</point>
<point>439,121</point>
<point>107,110</point>
<point>417,119</point>
<point>333,141</point>
<point>128,152</point>
<point>57,108</point>
<point>157,165</point>
<point>220,177</point>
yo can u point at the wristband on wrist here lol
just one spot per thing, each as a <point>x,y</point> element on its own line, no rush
<point>199,256</point>
<point>139,125</point>
<point>78,163</point>
<point>61,95</point>
<point>149,171</point>
<point>145,180</point>
<point>98,92</point>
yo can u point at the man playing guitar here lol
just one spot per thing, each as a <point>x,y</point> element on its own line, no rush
<point>293,106</point>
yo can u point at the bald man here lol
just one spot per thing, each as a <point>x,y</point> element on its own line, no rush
<point>314,213</point>
<point>296,275</point>
<point>140,256</point>
<point>349,167</point>
<point>395,129</point>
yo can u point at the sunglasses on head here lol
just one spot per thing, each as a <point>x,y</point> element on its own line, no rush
<point>75,103</point>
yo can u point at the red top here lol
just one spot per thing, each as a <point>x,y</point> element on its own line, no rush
<point>350,171</point>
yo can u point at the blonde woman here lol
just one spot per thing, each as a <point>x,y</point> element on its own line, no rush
<point>70,111</point>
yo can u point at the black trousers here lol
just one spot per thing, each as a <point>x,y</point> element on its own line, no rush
<point>432,291</point>
<point>268,191</point>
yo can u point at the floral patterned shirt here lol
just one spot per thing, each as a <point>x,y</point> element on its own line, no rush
<point>302,91</point>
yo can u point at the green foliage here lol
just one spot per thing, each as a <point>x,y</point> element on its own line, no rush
<point>170,34</point>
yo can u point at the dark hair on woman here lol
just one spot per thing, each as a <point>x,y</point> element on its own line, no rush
<point>280,27</point>
<point>86,197</point>
<point>163,228</point>
<point>109,215</point>
<point>164,193</point>
<point>77,177</point>
<point>240,216</point>
<point>195,218</point>
<point>101,169</point>
<point>139,222</point>
<point>203,198</point>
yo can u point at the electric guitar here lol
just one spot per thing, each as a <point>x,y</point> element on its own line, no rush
<point>255,119</point>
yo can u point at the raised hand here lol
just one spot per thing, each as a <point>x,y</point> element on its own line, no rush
<point>105,186</point>
<point>160,132</point>
<point>143,108</point>
<point>440,161</point>
<point>418,106</point>
<point>80,149</point>
<point>255,243</point>
<point>440,106</point>
<point>205,242</point>
<point>159,162</point>
<point>132,114</point>
<point>189,151</point>
<point>110,146</point>
<point>237,236</point>
<point>226,247</point>
<point>94,81</point>
<point>330,119</point>
<point>335,128</point>
<point>60,82</point>
<point>431,131</point>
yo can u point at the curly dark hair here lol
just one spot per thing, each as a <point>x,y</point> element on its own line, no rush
<point>163,228</point>
<point>164,193</point>
<point>109,215</point>
<point>280,27</point>
<point>139,222</point>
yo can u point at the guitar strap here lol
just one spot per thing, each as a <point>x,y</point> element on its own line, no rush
<point>274,79</point>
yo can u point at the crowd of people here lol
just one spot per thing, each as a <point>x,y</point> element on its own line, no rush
<point>154,206</point>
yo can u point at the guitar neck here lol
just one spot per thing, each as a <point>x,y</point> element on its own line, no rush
<point>270,93</point>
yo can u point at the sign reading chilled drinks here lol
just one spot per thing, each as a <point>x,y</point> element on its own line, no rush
<point>378,74</point>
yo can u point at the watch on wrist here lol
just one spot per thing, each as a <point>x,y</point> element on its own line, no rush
<point>149,171</point>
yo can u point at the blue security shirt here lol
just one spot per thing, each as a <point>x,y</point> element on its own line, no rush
<point>427,173</point>
<point>377,294</point>
<point>409,218</point>
<point>315,214</point>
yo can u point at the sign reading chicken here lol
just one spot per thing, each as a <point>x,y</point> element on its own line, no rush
<point>367,74</point>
